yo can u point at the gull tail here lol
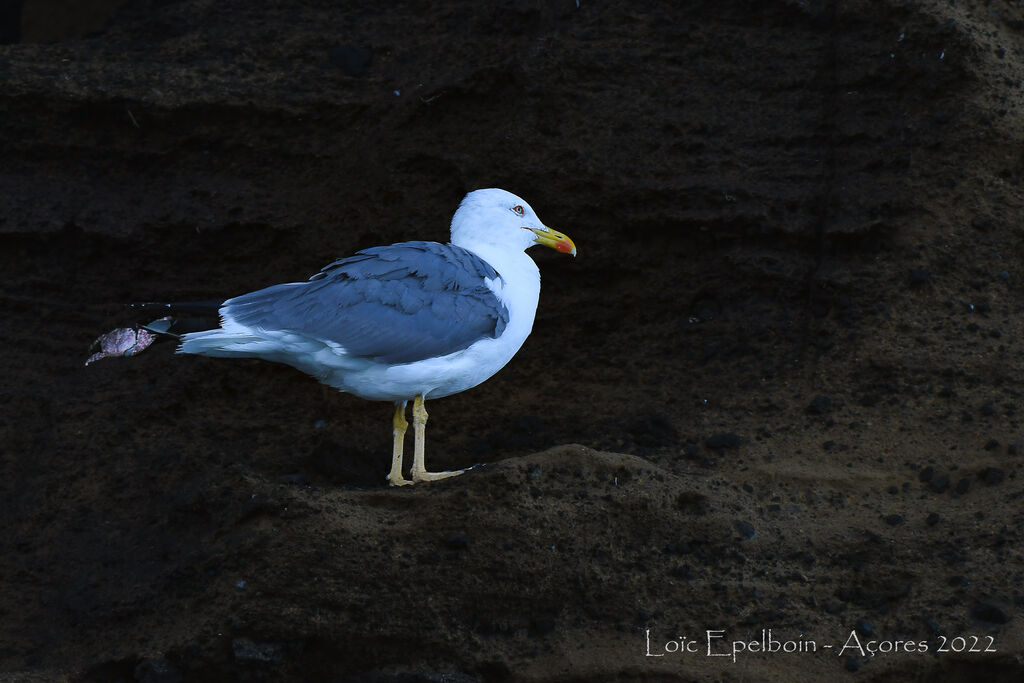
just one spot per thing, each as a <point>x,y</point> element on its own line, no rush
<point>229,341</point>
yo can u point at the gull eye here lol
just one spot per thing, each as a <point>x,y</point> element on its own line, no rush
<point>519,210</point>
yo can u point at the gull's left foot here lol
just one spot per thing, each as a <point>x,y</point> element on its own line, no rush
<point>423,475</point>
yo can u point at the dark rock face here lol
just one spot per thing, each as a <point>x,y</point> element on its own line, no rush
<point>789,346</point>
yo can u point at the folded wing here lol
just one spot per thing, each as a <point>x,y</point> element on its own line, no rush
<point>396,304</point>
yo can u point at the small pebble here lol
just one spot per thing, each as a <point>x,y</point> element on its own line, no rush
<point>940,483</point>
<point>893,520</point>
<point>959,581</point>
<point>988,611</point>
<point>983,223</point>
<point>833,607</point>
<point>994,475</point>
<point>819,405</point>
<point>746,531</point>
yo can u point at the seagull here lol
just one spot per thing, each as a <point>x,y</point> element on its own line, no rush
<point>407,322</point>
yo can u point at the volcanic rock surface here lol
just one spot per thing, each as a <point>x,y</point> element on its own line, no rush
<point>778,390</point>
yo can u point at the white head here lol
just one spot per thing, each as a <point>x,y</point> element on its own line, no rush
<point>498,218</point>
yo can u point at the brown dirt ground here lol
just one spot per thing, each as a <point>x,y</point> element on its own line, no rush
<point>779,388</point>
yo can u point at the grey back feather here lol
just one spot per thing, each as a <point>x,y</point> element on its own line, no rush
<point>395,304</point>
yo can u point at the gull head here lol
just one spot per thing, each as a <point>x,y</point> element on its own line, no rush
<point>500,218</point>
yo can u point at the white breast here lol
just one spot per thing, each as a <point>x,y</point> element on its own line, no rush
<point>518,287</point>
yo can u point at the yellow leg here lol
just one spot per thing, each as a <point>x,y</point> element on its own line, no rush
<point>419,425</point>
<point>395,478</point>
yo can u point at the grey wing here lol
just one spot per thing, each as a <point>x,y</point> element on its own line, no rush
<point>396,304</point>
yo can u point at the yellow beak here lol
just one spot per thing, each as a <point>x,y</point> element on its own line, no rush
<point>558,241</point>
